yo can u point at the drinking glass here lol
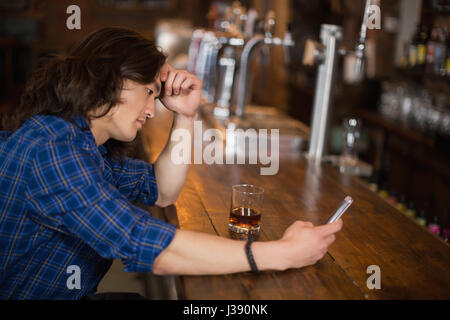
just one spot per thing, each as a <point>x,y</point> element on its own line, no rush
<point>245,210</point>
<point>351,135</point>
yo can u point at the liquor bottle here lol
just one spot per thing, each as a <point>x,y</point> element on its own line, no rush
<point>392,199</point>
<point>373,182</point>
<point>411,212</point>
<point>405,57</point>
<point>412,52</point>
<point>373,186</point>
<point>422,218</point>
<point>382,192</point>
<point>434,226</point>
<point>440,54</point>
<point>446,234</point>
<point>401,205</point>
<point>422,48</point>
<point>447,62</point>
<point>431,46</point>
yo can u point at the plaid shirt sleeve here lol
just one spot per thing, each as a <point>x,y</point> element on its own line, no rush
<point>67,192</point>
<point>135,179</point>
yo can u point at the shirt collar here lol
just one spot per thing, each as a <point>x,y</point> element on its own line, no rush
<point>81,122</point>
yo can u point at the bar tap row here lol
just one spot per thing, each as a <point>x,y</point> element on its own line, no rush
<point>221,56</point>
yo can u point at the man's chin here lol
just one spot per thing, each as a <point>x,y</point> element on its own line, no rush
<point>128,138</point>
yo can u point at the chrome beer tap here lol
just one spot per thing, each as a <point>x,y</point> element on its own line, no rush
<point>231,42</point>
<point>205,50</point>
<point>361,46</point>
<point>255,42</point>
<point>325,54</point>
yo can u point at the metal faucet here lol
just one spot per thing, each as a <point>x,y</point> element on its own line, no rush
<point>256,41</point>
<point>205,56</point>
<point>325,55</point>
<point>361,47</point>
<point>204,52</point>
<point>227,70</point>
<point>205,67</point>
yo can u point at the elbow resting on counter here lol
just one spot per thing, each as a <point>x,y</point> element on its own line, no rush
<point>163,202</point>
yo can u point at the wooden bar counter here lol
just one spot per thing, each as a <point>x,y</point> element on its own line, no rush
<point>414,263</point>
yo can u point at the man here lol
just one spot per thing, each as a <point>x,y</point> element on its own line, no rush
<point>66,186</point>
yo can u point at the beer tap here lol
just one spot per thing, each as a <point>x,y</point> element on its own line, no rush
<point>361,46</point>
<point>325,54</point>
<point>205,67</point>
<point>255,42</point>
<point>230,41</point>
<point>206,47</point>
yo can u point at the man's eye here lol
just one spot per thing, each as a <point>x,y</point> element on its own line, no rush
<point>150,92</point>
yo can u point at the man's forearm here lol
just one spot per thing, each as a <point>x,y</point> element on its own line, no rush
<point>171,177</point>
<point>195,253</point>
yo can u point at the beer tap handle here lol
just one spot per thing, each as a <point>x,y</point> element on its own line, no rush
<point>314,53</point>
<point>361,46</point>
<point>226,21</point>
<point>252,18</point>
<point>269,26</point>
<point>236,18</point>
<point>243,20</point>
<point>287,42</point>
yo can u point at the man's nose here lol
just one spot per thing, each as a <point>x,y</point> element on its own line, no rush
<point>150,110</point>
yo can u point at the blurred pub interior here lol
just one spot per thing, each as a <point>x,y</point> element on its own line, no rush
<point>403,102</point>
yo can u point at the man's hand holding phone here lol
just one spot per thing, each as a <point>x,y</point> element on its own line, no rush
<point>304,244</point>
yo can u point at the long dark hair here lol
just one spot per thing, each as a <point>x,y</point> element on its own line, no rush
<point>89,77</point>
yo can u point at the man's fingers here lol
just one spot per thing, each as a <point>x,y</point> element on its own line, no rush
<point>191,83</point>
<point>179,78</point>
<point>164,72</point>
<point>196,83</point>
<point>169,83</point>
<point>186,85</point>
<point>304,223</point>
<point>163,75</point>
<point>329,229</point>
<point>180,81</point>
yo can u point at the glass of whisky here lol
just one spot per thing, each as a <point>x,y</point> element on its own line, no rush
<point>245,211</point>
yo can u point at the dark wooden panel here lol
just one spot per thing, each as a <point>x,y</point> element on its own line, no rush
<point>414,166</point>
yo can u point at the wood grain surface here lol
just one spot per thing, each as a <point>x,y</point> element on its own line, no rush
<point>414,263</point>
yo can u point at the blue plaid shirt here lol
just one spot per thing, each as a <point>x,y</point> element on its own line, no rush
<point>63,203</point>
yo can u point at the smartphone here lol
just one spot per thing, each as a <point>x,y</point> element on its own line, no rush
<point>345,204</point>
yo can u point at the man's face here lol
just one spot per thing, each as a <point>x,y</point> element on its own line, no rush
<point>127,117</point>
